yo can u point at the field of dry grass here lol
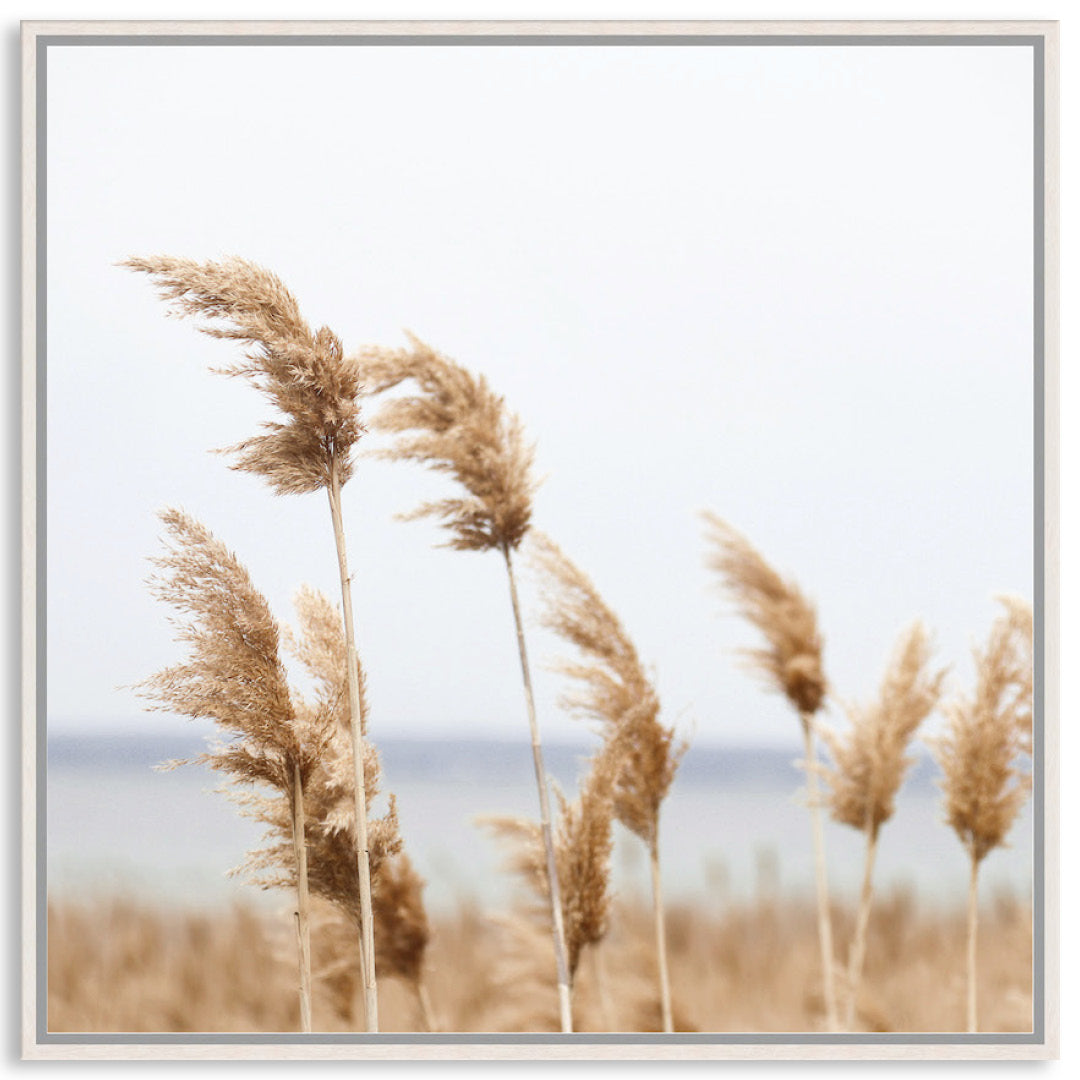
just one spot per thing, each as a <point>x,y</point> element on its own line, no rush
<point>119,967</point>
<point>890,967</point>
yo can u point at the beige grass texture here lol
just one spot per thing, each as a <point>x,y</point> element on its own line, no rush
<point>116,966</point>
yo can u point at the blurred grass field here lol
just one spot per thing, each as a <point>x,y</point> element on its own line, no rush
<point>115,966</point>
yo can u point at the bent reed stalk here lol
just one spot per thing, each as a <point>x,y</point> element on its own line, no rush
<point>564,975</point>
<point>791,664</point>
<point>307,378</point>
<point>870,763</point>
<point>455,424</point>
<point>613,689</point>
<point>981,757</point>
<point>363,846</point>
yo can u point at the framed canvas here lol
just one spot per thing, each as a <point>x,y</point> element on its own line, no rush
<point>751,751</point>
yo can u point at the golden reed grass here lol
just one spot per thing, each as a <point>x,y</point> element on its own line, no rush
<point>870,761</point>
<point>583,845</point>
<point>309,381</point>
<point>234,675</point>
<point>455,424</point>
<point>741,967</point>
<point>614,691</point>
<point>399,920</point>
<point>791,663</point>
<point>982,757</point>
<point>291,765</point>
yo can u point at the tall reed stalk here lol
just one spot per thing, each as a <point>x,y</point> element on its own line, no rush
<point>613,690</point>
<point>791,663</point>
<point>234,676</point>
<point>821,874</point>
<point>564,974</point>
<point>363,847</point>
<point>303,913</point>
<point>400,926</point>
<point>982,756</point>
<point>455,424</point>
<point>307,378</point>
<point>870,762</point>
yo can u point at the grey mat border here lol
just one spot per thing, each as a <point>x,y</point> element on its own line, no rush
<point>553,39</point>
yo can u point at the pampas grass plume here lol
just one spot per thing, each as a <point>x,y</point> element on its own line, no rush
<point>869,764</point>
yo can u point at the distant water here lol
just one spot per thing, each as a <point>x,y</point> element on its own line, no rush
<point>734,826</point>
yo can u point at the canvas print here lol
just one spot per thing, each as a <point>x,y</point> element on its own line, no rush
<point>541,538</point>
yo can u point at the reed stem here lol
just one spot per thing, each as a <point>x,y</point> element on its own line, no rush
<point>562,969</point>
<point>661,937</point>
<point>972,941</point>
<point>821,874</point>
<point>367,931</point>
<point>303,923</point>
<point>427,1017</point>
<point>858,945</point>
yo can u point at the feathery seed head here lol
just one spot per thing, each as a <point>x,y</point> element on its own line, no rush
<point>401,924</point>
<point>455,424</point>
<point>330,807</point>
<point>1021,619</point>
<point>792,663</point>
<point>303,373</point>
<point>613,688</point>
<point>233,674</point>
<point>871,759</point>
<point>981,751</point>
<point>321,648</point>
<point>583,844</point>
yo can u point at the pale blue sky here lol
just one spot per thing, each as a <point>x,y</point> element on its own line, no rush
<point>789,285</point>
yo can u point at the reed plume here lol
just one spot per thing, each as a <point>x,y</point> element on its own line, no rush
<point>614,691</point>
<point>1022,620</point>
<point>583,844</point>
<point>981,755</point>
<point>791,664</point>
<point>870,763</point>
<point>455,424</point>
<point>400,929</point>
<point>402,935</point>
<point>234,676</point>
<point>302,372</point>
<point>402,932</point>
<point>307,378</point>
